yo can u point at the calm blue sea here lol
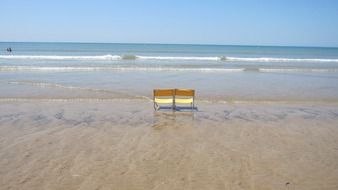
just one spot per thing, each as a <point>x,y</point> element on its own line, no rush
<point>217,72</point>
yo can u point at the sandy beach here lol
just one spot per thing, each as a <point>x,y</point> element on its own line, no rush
<point>250,90</point>
<point>126,145</point>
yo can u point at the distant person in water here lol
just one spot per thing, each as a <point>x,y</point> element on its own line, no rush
<point>9,49</point>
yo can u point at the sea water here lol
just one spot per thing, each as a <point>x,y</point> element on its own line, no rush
<point>218,73</point>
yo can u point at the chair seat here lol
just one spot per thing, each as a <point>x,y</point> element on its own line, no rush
<point>164,100</point>
<point>184,100</point>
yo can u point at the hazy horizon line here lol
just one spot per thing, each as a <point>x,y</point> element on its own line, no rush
<point>158,43</point>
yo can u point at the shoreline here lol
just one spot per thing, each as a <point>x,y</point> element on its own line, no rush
<point>145,99</point>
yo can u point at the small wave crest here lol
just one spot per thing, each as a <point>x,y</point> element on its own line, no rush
<point>271,59</point>
<point>179,58</point>
<point>129,57</point>
<point>168,58</point>
<point>69,69</point>
<point>57,57</point>
<point>298,70</point>
<point>159,69</point>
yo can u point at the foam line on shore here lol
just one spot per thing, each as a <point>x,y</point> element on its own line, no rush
<point>160,68</point>
<point>116,68</point>
<point>147,99</point>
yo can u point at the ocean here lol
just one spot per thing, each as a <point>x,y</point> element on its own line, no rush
<point>80,116</point>
<point>218,73</point>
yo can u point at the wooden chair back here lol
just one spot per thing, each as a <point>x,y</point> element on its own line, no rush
<point>163,92</point>
<point>184,92</point>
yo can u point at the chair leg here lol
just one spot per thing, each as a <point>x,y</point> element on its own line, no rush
<point>174,105</point>
<point>155,106</point>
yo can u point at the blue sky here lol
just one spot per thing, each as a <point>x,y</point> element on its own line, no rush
<point>235,22</point>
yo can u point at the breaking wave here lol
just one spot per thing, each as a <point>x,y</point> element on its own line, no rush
<point>158,69</point>
<point>270,59</point>
<point>58,57</point>
<point>298,70</point>
<point>69,69</point>
<point>168,58</point>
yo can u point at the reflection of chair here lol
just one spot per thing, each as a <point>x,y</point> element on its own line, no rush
<point>164,96</point>
<point>184,96</point>
<point>174,97</point>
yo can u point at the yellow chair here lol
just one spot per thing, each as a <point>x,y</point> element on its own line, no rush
<point>164,96</point>
<point>184,96</point>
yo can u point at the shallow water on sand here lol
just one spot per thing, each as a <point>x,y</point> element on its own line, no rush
<point>219,87</point>
<point>126,145</point>
<point>218,73</point>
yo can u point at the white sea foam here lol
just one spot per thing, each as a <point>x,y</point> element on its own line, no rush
<point>179,58</point>
<point>270,59</point>
<point>297,70</point>
<point>159,69</point>
<point>174,58</point>
<point>65,69</point>
<point>104,57</point>
<point>58,57</point>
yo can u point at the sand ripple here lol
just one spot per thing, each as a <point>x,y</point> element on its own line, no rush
<point>126,145</point>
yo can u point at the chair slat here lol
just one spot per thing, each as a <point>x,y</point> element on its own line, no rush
<point>163,92</point>
<point>184,92</point>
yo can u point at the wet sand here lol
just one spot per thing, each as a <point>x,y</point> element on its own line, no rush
<point>126,145</point>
